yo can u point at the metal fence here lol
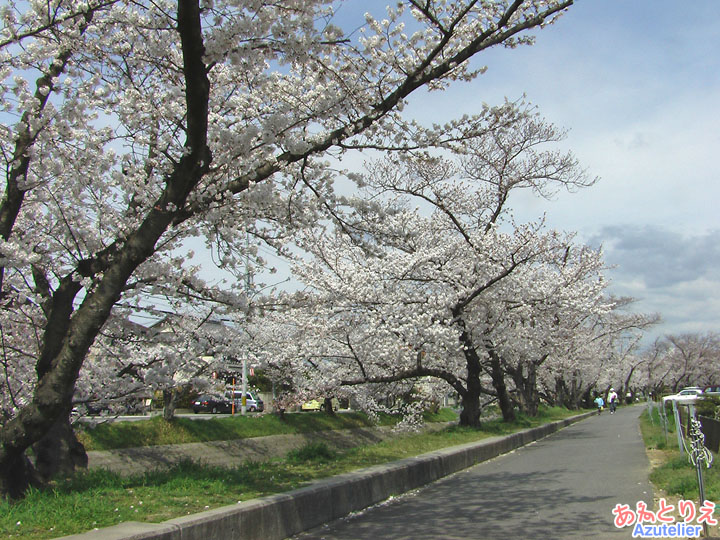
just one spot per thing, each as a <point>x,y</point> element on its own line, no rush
<point>711,430</point>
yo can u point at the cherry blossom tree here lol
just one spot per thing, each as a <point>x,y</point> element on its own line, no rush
<point>429,278</point>
<point>393,321</point>
<point>449,290</point>
<point>677,360</point>
<point>110,378</point>
<point>597,356</point>
<point>382,327</point>
<point>133,126</point>
<point>182,354</point>
<point>540,328</point>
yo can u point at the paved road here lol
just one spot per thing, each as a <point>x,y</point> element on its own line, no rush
<point>562,487</point>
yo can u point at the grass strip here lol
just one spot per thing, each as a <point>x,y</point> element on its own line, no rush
<point>675,475</point>
<point>96,498</point>
<point>157,431</point>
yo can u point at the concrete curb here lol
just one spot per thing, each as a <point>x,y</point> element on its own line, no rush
<point>279,516</point>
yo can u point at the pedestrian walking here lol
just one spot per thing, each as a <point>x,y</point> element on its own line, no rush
<point>600,402</point>
<point>612,400</point>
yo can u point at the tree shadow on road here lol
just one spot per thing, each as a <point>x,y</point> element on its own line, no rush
<point>486,509</point>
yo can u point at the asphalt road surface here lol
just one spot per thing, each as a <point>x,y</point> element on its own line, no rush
<point>561,487</point>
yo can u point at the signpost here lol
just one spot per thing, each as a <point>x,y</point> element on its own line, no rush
<point>678,427</point>
<point>244,388</point>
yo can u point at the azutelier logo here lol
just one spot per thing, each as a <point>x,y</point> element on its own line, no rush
<point>661,524</point>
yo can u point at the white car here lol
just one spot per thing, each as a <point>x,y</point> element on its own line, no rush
<point>252,402</point>
<point>687,395</point>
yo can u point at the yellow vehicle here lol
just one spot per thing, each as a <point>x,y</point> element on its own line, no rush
<point>318,405</point>
<point>312,405</point>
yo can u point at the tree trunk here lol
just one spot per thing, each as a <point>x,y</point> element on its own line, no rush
<point>526,386</point>
<point>59,452</point>
<point>471,410</point>
<point>573,395</point>
<point>497,375</point>
<point>170,401</point>
<point>586,397</point>
<point>559,393</point>
<point>18,474</point>
<point>328,406</point>
<point>470,414</point>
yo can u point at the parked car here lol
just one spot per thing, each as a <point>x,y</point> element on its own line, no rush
<point>252,402</point>
<point>94,408</point>
<point>212,403</point>
<point>712,390</point>
<point>318,405</point>
<point>312,405</point>
<point>687,395</point>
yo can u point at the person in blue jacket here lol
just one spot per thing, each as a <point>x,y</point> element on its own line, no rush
<point>600,402</point>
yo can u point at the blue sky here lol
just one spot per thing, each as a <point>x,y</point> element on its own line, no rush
<point>637,86</point>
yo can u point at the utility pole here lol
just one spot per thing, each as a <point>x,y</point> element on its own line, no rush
<point>243,407</point>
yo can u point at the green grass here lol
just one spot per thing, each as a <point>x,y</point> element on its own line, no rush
<point>676,475</point>
<point>100,499</point>
<point>156,431</point>
<point>312,452</point>
<point>653,432</point>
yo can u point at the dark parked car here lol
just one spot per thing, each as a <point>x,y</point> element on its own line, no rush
<point>211,403</point>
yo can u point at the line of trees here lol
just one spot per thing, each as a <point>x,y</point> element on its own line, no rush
<point>674,361</point>
<point>426,285</point>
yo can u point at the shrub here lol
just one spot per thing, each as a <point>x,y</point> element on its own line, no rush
<point>318,451</point>
<point>709,407</point>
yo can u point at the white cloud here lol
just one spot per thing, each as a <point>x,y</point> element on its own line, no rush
<point>667,272</point>
<point>661,257</point>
